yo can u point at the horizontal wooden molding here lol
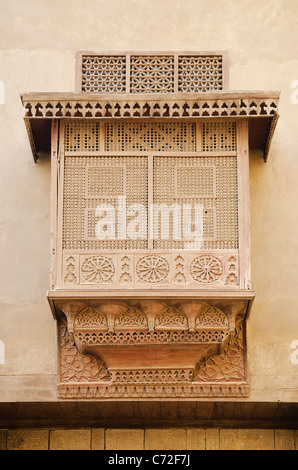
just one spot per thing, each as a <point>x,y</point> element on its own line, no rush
<point>260,108</point>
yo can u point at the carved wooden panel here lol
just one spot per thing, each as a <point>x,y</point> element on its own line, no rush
<point>142,191</point>
<point>185,184</point>
<point>219,136</point>
<point>152,349</point>
<point>163,269</point>
<point>92,204</point>
<point>225,105</point>
<point>106,74</point>
<point>151,72</point>
<point>82,136</point>
<point>200,73</point>
<point>150,137</point>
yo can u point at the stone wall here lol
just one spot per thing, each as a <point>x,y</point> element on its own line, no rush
<point>149,439</point>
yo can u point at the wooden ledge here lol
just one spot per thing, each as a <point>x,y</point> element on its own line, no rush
<point>260,108</point>
<point>95,295</point>
<point>153,348</point>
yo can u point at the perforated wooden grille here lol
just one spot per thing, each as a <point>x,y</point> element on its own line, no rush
<point>152,73</point>
<point>93,208</point>
<point>207,181</point>
<point>201,73</point>
<point>82,136</point>
<point>219,136</point>
<point>102,192</point>
<point>105,74</point>
<point>149,136</point>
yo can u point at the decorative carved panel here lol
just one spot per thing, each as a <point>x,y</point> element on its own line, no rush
<point>103,73</point>
<point>151,72</point>
<point>200,73</point>
<point>163,269</point>
<point>222,105</point>
<point>116,349</point>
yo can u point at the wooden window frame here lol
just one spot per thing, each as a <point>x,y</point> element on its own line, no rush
<point>242,155</point>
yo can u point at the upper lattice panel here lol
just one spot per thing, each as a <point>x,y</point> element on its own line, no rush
<point>152,73</point>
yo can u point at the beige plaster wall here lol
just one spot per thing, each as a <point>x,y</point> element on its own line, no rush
<point>38,42</point>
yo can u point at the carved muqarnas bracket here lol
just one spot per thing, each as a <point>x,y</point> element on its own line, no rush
<point>190,349</point>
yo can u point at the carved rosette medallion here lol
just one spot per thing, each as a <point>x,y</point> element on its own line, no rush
<point>98,269</point>
<point>153,269</point>
<point>206,269</point>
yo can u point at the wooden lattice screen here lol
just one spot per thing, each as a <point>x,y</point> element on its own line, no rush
<point>152,73</point>
<point>204,173</point>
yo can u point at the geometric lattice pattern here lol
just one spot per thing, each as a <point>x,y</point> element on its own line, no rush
<point>200,73</point>
<point>219,136</point>
<point>191,195</point>
<point>92,210</point>
<point>103,181</point>
<point>151,73</point>
<point>103,74</point>
<point>207,182</point>
<point>81,136</point>
<point>148,136</point>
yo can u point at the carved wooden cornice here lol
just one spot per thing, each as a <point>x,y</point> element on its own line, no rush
<point>260,108</point>
<point>151,348</point>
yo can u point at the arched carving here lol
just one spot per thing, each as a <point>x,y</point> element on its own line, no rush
<point>90,317</point>
<point>171,318</point>
<point>131,318</point>
<point>212,317</point>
